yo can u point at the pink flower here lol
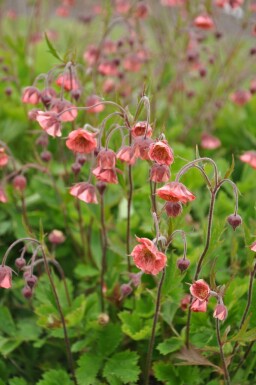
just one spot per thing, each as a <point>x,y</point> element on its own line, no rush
<point>105,175</point>
<point>240,98</point>
<point>106,159</point>
<point>56,237</point>
<point>59,106</point>
<point>19,182</point>
<point>3,196</point>
<point>141,147</point>
<point>220,312</point>
<point>147,257</point>
<point>204,22</point>
<point>5,277</point>
<point>109,47</point>
<point>250,158</point>
<point>141,11</point>
<point>81,141</point>
<point>109,86</point>
<point>161,153</point>
<point>109,68</point>
<point>132,63</point>
<point>199,306</point>
<point>175,192</point>
<point>3,157</point>
<point>173,209</point>
<point>68,81</point>
<point>91,55</point>
<point>31,95</point>
<point>159,173</point>
<point>185,301</point>
<point>49,122</point>
<point>91,101</point>
<point>122,6</point>
<point>85,192</point>
<point>140,128</point>
<point>231,3</point>
<point>126,154</point>
<point>200,290</point>
<point>172,3</point>
<point>253,246</point>
<point>210,142</point>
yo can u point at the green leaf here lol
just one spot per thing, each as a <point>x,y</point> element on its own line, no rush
<point>164,371</point>
<point>169,346</point>
<point>7,345</point>
<point>89,366</point>
<point>17,381</point>
<point>122,366</point>
<point>109,337</point>
<point>231,168</point>
<point>55,377</point>
<point>6,322</point>
<point>52,49</point>
<point>134,326</point>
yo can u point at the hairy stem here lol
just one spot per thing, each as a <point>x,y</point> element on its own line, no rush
<point>104,250</point>
<point>128,230</point>
<point>225,369</point>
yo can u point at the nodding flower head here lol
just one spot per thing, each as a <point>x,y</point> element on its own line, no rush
<point>141,147</point>
<point>81,141</point>
<point>234,220</point>
<point>240,97</point>
<point>173,209</point>
<point>175,192</point>
<point>127,154</point>
<point>220,312</point>
<point>5,277</point>
<point>159,173</point>
<point>19,182</point>
<point>56,237</point>
<point>106,159</point>
<point>49,122</point>
<point>199,306</point>
<point>84,191</point>
<point>140,128</point>
<point>67,81</point>
<point>64,109</point>
<point>31,95</point>
<point>161,153</point>
<point>106,175</point>
<point>209,142</point>
<point>200,290</point>
<point>147,257</point>
<point>92,101</point>
<point>204,22</point>
<point>250,158</point>
<point>3,157</point>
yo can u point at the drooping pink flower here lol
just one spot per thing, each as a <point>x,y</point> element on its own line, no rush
<point>199,306</point>
<point>209,142</point>
<point>204,22</point>
<point>109,68</point>
<point>19,182</point>
<point>200,290</point>
<point>253,247</point>
<point>173,209</point>
<point>3,196</point>
<point>81,141</point>
<point>185,301</point>
<point>91,55</point>
<point>3,157</point>
<point>62,11</point>
<point>49,122</point>
<point>122,6</point>
<point>68,81</point>
<point>109,47</point>
<point>93,100</point>
<point>140,128</point>
<point>84,191</point>
<point>172,3</point>
<point>106,159</point>
<point>147,257</point>
<point>106,175</point>
<point>240,97</point>
<point>5,277</point>
<point>109,86</point>
<point>132,63</point>
<point>47,95</point>
<point>141,147</point>
<point>175,192</point>
<point>56,237</point>
<point>31,95</point>
<point>141,11</point>
<point>220,312</point>
<point>127,154</point>
<point>250,158</point>
<point>161,153</point>
<point>59,106</point>
<point>231,3</point>
<point>159,173</point>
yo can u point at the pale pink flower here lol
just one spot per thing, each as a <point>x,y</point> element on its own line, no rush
<point>106,175</point>
<point>81,141</point>
<point>250,158</point>
<point>84,191</point>
<point>5,277</point>
<point>220,312</point>
<point>140,128</point>
<point>93,100</point>
<point>147,257</point>
<point>31,95</point>
<point>109,68</point>
<point>159,173</point>
<point>122,6</point>
<point>253,247</point>
<point>68,81</point>
<point>109,86</point>
<point>109,47</point>
<point>199,306</point>
<point>141,147</point>
<point>185,301</point>
<point>59,106</point>
<point>106,159</point>
<point>161,153</point>
<point>240,97</point>
<point>172,3</point>
<point>175,192</point>
<point>56,237</point>
<point>126,154</point>
<point>209,142</point>
<point>132,63</point>
<point>49,122</point>
<point>3,157</point>
<point>200,290</point>
<point>204,22</point>
<point>3,196</point>
<point>91,55</point>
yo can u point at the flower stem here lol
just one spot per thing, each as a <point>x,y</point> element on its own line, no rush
<point>104,250</point>
<point>128,230</point>
<point>225,369</point>
<point>153,333</point>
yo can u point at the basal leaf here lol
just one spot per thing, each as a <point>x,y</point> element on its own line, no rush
<point>89,366</point>
<point>170,345</point>
<point>55,377</point>
<point>122,366</point>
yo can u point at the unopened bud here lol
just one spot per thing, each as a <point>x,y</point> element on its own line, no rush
<point>20,262</point>
<point>173,209</point>
<point>31,280</point>
<point>103,319</point>
<point>46,156</point>
<point>183,264</point>
<point>101,186</point>
<point>234,220</point>
<point>19,182</point>
<point>125,289</point>
<point>135,278</point>
<point>76,168</point>
<point>27,292</point>
<point>75,94</point>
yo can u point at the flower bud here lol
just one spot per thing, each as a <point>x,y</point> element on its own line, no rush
<point>32,114</point>
<point>135,278</point>
<point>27,292</point>
<point>46,156</point>
<point>220,312</point>
<point>42,140</point>
<point>31,281</point>
<point>234,220</point>
<point>103,319</point>
<point>183,264</point>
<point>56,237</point>
<point>19,182</point>
<point>75,94</point>
<point>125,289</point>
<point>101,186</point>
<point>20,262</point>
<point>173,209</point>
<point>76,168</point>
<point>8,91</point>
<point>81,159</point>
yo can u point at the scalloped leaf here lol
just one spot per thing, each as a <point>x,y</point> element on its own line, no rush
<point>55,377</point>
<point>170,345</point>
<point>89,366</point>
<point>122,366</point>
<point>134,326</point>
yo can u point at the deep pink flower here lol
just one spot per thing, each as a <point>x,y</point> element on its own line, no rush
<point>19,182</point>
<point>56,237</point>
<point>253,246</point>
<point>199,306</point>
<point>173,209</point>
<point>147,257</point>
<point>140,128</point>
<point>84,191</point>
<point>3,157</point>
<point>250,158</point>
<point>106,159</point>
<point>91,101</point>
<point>209,142</point>
<point>159,173</point>
<point>141,11</point>
<point>240,97</point>
<point>200,290</point>
<point>161,153</point>
<point>49,122</point>
<point>68,81</point>
<point>31,95</point>
<point>185,301</point>
<point>106,175</point>
<point>127,154</point>
<point>141,147</point>
<point>220,312</point>
<point>204,22</point>
<point>5,277</point>
<point>3,196</point>
<point>81,141</point>
<point>175,192</point>
<point>59,106</point>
